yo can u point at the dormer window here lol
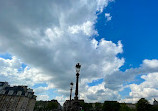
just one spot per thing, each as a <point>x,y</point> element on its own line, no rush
<point>2,92</point>
<point>26,93</point>
<point>30,95</point>
<point>10,92</point>
<point>19,93</point>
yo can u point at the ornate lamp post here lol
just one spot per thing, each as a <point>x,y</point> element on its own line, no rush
<point>71,85</point>
<point>76,105</point>
<point>70,104</point>
<point>78,66</point>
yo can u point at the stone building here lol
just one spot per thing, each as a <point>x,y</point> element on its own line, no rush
<point>16,98</point>
<point>3,85</point>
<point>67,104</point>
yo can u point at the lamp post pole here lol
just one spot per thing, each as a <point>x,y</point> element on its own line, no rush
<point>71,85</point>
<point>70,105</point>
<point>78,66</point>
<point>76,91</point>
<point>76,105</point>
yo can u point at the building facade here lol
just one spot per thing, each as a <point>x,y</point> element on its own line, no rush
<point>16,98</point>
<point>68,105</point>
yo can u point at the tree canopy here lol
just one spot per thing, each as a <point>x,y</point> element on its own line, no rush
<point>143,105</point>
<point>111,106</point>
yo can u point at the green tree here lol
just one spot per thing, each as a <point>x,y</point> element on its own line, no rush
<point>86,106</point>
<point>52,105</point>
<point>111,106</point>
<point>154,108</point>
<point>98,106</point>
<point>143,105</point>
<point>124,107</point>
<point>45,105</point>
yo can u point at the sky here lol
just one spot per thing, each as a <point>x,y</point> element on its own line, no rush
<point>115,41</point>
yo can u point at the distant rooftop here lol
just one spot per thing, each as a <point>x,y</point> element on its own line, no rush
<point>16,90</point>
<point>2,83</point>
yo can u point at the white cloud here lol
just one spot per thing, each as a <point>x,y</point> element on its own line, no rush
<point>129,100</point>
<point>51,37</point>
<point>43,40</point>
<point>98,93</point>
<point>11,72</point>
<point>61,99</point>
<point>148,89</point>
<point>40,90</point>
<point>150,63</point>
<point>87,28</point>
<point>108,16</point>
<point>42,97</point>
<point>102,3</point>
<point>115,80</point>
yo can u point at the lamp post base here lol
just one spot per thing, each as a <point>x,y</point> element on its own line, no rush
<point>76,106</point>
<point>76,98</point>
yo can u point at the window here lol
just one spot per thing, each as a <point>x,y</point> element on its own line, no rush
<point>26,93</point>
<point>10,92</point>
<point>30,95</point>
<point>19,93</point>
<point>2,92</point>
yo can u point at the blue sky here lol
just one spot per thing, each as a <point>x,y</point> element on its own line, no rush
<point>114,40</point>
<point>134,22</point>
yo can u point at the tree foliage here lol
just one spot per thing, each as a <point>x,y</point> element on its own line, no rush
<point>124,107</point>
<point>111,106</point>
<point>98,106</point>
<point>154,108</point>
<point>52,105</point>
<point>143,105</point>
<point>86,106</point>
<point>45,106</point>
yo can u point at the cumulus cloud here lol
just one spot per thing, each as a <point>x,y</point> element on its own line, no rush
<point>148,89</point>
<point>61,99</point>
<point>87,28</point>
<point>98,93</point>
<point>42,97</point>
<point>150,63</point>
<point>115,80</point>
<point>52,36</point>
<point>13,72</point>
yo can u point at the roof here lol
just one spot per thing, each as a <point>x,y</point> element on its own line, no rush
<point>16,89</point>
<point>2,83</point>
